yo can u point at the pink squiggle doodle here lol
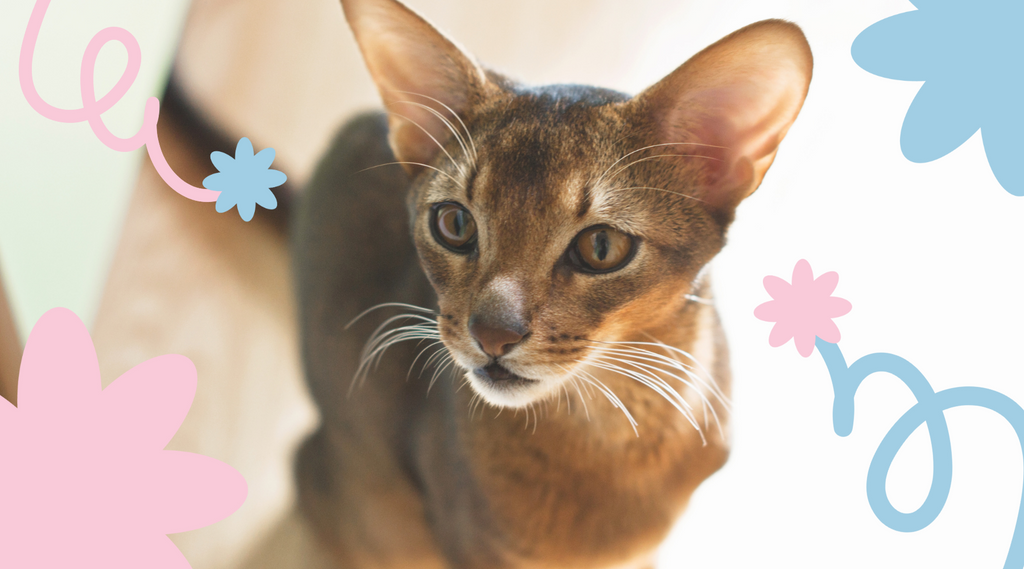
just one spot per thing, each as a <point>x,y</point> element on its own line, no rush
<point>92,110</point>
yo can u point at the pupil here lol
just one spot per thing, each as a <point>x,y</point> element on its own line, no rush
<point>601,245</point>
<point>459,223</point>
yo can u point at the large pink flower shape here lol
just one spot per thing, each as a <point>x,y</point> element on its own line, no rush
<point>802,310</point>
<point>84,479</point>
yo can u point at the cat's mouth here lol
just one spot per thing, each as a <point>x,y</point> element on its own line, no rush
<point>501,378</point>
<point>502,387</point>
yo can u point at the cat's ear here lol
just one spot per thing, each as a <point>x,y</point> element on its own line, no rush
<point>740,95</point>
<point>418,71</point>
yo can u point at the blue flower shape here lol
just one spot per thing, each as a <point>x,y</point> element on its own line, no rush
<point>970,55</point>
<point>244,180</point>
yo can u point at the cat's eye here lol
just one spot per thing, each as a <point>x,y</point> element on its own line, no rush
<point>601,249</point>
<point>453,226</point>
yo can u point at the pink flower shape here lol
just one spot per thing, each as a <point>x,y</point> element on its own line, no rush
<point>84,479</point>
<point>803,310</point>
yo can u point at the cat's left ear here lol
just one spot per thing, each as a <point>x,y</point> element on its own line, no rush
<point>421,75</point>
<point>739,96</point>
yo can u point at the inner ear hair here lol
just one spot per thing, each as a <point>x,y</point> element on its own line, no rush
<point>734,102</point>
<point>425,79</point>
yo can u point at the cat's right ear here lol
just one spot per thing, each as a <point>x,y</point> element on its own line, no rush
<point>418,71</point>
<point>731,105</point>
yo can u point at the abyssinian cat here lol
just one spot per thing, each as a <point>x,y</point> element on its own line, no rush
<point>541,250</point>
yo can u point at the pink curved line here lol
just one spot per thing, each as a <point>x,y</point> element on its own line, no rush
<point>160,163</point>
<point>92,110</point>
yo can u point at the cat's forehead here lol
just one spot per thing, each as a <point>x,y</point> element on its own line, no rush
<point>543,142</point>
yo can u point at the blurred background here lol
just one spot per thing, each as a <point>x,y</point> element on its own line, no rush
<point>927,254</point>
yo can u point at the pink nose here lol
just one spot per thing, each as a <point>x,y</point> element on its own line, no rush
<point>494,340</point>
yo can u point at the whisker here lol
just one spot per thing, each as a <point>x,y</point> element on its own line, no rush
<point>472,405</point>
<point>375,348</point>
<point>387,305</point>
<point>604,390</point>
<point>454,114</point>
<point>614,399</point>
<point>613,190</point>
<point>383,338</point>
<point>448,359</point>
<point>442,355</point>
<point>713,386</point>
<point>438,170</point>
<point>646,158</point>
<point>451,128</point>
<point>438,143</point>
<point>601,177</point>
<point>572,380</point>
<point>426,363</point>
<point>656,384</point>
<point>583,399</point>
<point>658,358</point>
<point>706,405</point>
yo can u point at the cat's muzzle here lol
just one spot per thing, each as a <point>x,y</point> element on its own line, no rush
<point>501,378</point>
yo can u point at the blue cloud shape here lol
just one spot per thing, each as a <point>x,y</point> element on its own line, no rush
<point>970,55</point>
<point>244,180</point>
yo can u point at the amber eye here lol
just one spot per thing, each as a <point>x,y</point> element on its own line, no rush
<point>453,227</point>
<point>601,249</point>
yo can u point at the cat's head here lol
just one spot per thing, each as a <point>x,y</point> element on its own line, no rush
<point>551,219</point>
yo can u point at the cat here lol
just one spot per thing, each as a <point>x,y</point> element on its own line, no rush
<point>544,248</point>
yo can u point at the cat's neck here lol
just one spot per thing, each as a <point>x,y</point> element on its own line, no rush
<point>523,465</point>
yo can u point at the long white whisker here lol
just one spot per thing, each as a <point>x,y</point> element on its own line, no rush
<point>449,360</point>
<point>400,334</point>
<point>441,355</point>
<point>383,338</point>
<point>387,305</point>
<point>438,170</point>
<point>647,355</point>
<point>601,177</point>
<point>438,143</point>
<point>408,374</point>
<point>583,399</point>
<point>646,158</point>
<point>658,386</point>
<point>614,190</point>
<point>674,350</point>
<point>614,399</point>
<point>454,114</point>
<point>706,404</point>
<point>451,128</point>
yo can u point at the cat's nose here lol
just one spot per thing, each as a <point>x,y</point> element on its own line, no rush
<point>495,338</point>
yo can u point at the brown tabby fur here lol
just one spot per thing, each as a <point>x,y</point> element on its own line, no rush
<point>397,478</point>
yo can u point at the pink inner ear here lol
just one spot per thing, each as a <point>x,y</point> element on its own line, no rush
<point>415,66</point>
<point>740,96</point>
<point>743,124</point>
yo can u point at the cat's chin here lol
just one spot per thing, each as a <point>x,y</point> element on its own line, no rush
<point>502,388</point>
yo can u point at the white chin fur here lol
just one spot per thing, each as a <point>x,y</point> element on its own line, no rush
<point>509,398</point>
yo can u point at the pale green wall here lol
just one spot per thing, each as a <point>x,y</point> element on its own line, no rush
<point>63,194</point>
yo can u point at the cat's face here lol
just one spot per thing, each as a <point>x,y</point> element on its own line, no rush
<point>552,221</point>
<point>562,232</point>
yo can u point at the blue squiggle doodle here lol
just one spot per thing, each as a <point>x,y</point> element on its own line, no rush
<point>929,410</point>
